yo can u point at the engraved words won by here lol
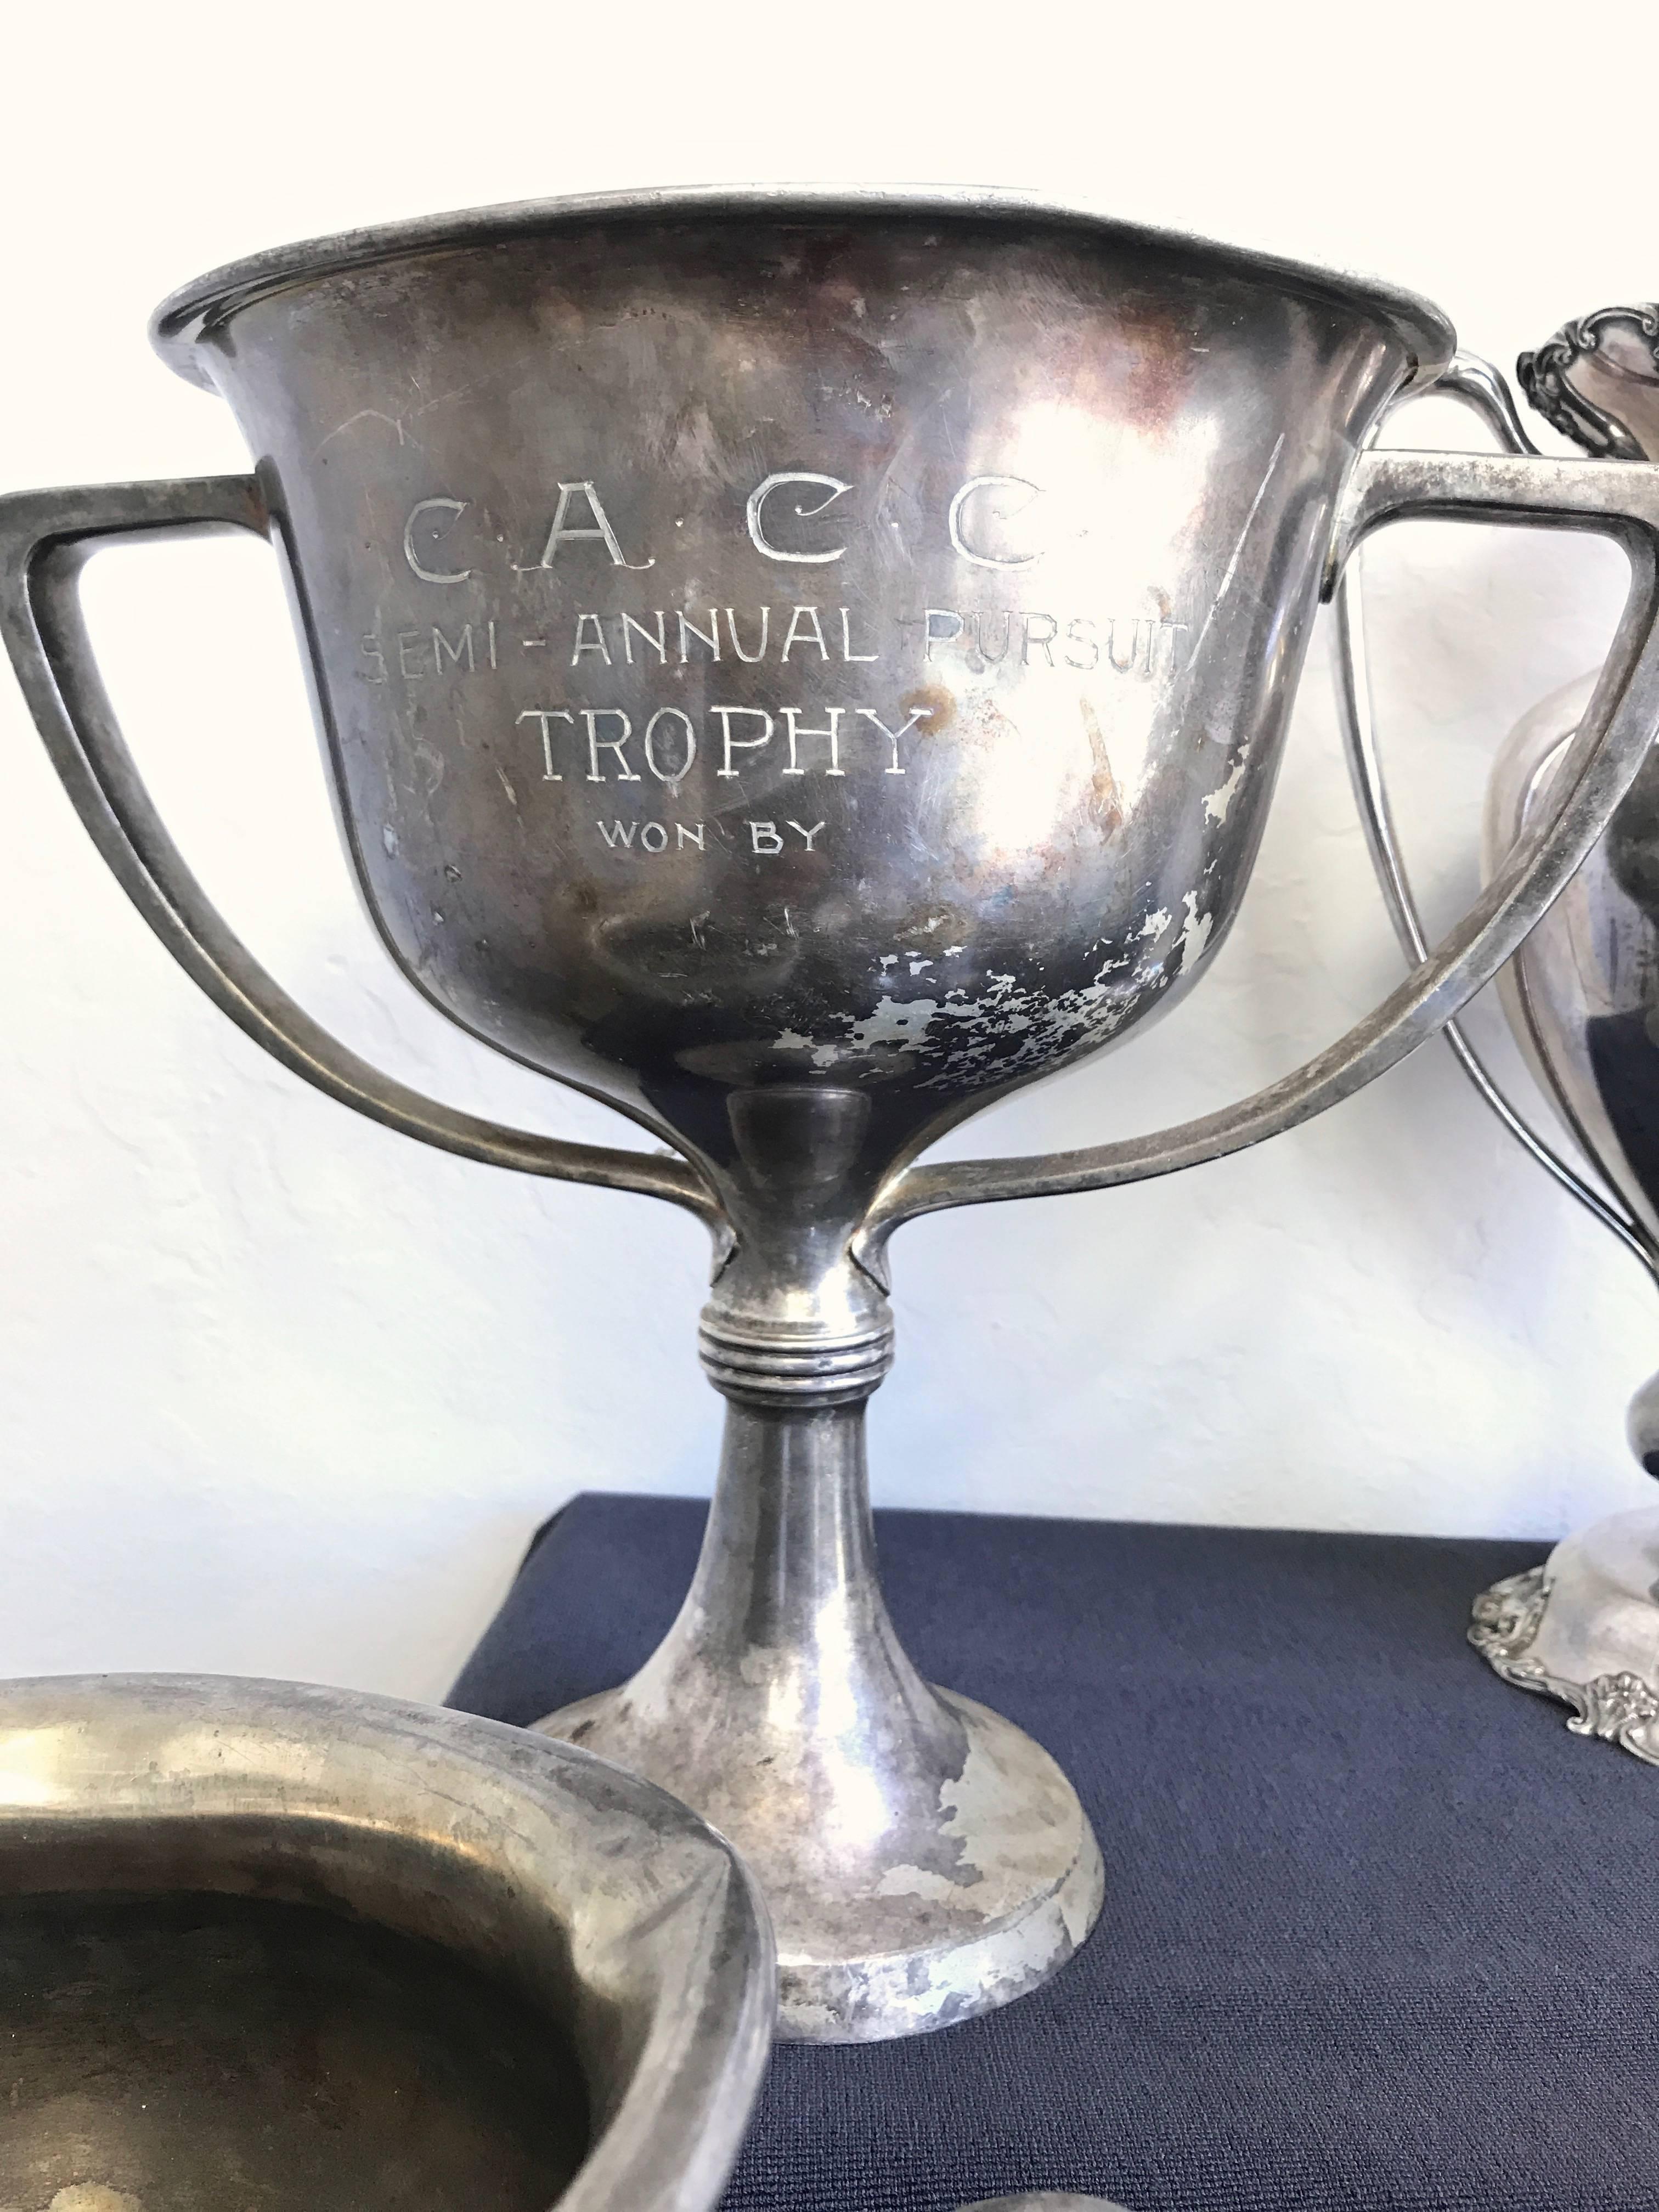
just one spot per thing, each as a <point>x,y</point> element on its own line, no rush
<point>608,743</point>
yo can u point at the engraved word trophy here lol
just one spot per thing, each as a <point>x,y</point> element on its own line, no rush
<point>1582,997</point>
<point>796,667</point>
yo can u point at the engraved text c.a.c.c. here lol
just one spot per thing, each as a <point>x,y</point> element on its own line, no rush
<point>974,523</point>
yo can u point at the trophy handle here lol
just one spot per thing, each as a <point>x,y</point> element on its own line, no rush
<point>1482,387</point>
<point>46,540</point>
<point>1619,499</point>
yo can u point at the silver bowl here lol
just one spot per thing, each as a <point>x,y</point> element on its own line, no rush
<point>265,1945</point>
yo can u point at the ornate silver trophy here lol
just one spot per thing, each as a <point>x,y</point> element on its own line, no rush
<point>796,668</point>
<point>1582,1000</point>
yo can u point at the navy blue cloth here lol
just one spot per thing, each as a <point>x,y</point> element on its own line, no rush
<point>1379,1931</point>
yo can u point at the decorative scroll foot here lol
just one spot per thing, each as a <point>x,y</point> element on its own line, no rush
<point>1585,1628</point>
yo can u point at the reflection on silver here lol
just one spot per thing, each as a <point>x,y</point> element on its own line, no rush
<point>1044,2200</point>
<point>336,1954</point>
<point>1582,999</point>
<point>797,668</point>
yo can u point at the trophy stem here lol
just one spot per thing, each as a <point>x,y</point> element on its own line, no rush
<point>788,1568</point>
<point>922,1859</point>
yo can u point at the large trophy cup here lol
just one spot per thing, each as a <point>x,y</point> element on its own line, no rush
<point>1582,997</point>
<point>796,668</point>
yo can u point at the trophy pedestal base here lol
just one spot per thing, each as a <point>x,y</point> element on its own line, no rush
<point>1585,1628</point>
<point>906,1895</point>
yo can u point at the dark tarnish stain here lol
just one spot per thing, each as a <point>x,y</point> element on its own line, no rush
<point>1105,801</point>
<point>279,2055</point>
<point>1148,371</point>
<point>937,704</point>
<point>819,252</point>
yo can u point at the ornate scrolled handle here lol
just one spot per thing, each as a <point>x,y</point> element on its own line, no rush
<point>46,538</point>
<point>1545,379</point>
<point>1615,499</point>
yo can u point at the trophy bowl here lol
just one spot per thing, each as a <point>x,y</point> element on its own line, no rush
<point>275,1944</point>
<point>1581,998</point>
<point>796,666</point>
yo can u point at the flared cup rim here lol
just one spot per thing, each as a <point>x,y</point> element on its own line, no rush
<point>197,309</point>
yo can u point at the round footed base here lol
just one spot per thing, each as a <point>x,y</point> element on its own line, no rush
<point>1585,1628</point>
<point>982,1888</point>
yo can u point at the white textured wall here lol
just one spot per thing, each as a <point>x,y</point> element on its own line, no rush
<point>285,1393</point>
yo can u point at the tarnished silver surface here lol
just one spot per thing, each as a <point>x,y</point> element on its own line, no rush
<point>797,667</point>
<point>262,1941</point>
<point>1582,999</point>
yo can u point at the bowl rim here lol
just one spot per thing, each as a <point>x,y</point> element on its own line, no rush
<point>196,309</point>
<point>276,1751</point>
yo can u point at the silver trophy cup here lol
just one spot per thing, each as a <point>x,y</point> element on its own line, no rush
<point>1582,997</point>
<point>796,668</point>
